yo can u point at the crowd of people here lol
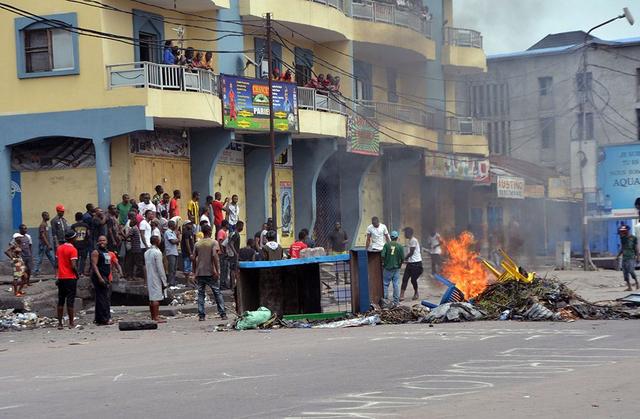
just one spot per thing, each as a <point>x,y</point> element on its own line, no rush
<point>173,55</point>
<point>328,83</point>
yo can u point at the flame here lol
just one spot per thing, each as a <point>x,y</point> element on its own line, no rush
<point>463,267</point>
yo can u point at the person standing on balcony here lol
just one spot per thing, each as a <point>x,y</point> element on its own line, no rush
<point>207,60</point>
<point>377,235</point>
<point>168,56</point>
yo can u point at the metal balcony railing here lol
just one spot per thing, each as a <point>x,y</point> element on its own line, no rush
<point>463,37</point>
<point>162,76</point>
<point>319,100</point>
<point>464,126</point>
<point>395,111</point>
<point>382,12</point>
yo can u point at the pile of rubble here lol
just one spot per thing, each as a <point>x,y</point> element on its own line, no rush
<point>16,320</point>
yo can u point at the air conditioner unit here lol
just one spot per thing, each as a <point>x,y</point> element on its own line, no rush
<point>465,126</point>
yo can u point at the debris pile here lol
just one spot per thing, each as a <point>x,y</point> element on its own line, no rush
<point>400,314</point>
<point>15,320</point>
<point>454,312</point>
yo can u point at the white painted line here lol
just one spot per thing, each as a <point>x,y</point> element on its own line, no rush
<point>598,338</point>
<point>117,377</point>
<point>15,406</point>
<point>488,337</point>
<point>532,337</point>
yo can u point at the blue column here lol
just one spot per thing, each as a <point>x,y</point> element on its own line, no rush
<point>207,145</point>
<point>396,165</point>
<point>308,158</point>
<point>351,179</point>
<point>230,63</point>
<point>257,175</point>
<point>103,170</point>
<point>6,221</point>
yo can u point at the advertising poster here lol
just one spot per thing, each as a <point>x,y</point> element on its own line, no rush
<point>450,166</point>
<point>619,179</point>
<point>510,187</point>
<point>245,104</point>
<point>160,142</point>
<point>233,154</point>
<point>286,198</point>
<point>363,136</point>
<point>16,199</point>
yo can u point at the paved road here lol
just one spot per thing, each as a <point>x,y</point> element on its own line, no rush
<point>485,369</point>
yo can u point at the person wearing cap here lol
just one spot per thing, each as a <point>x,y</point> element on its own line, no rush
<point>67,275</point>
<point>59,226</point>
<point>414,264</point>
<point>392,258</point>
<point>629,254</point>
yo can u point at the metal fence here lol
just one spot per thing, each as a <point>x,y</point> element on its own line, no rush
<point>337,4</point>
<point>395,111</point>
<point>464,126</point>
<point>463,37</point>
<point>162,76</point>
<point>387,13</point>
<point>319,100</point>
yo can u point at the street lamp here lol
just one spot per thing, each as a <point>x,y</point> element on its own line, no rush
<point>588,262</point>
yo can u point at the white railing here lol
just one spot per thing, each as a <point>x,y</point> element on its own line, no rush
<point>162,76</point>
<point>464,126</point>
<point>395,111</point>
<point>336,4</point>
<point>319,100</point>
<point>463,37</point>
<point>387,13</point>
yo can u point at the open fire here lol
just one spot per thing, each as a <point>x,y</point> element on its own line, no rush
<point>463,267</point>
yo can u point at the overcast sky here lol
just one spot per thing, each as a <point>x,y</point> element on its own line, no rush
<point>515,25</point>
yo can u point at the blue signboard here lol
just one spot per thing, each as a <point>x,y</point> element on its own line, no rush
<point>245,104</point>
<point>16,199</point>
<point>618,180</point>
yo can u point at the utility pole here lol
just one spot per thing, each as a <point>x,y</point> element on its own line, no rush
<point>272,134</point>
<point>588,262</point>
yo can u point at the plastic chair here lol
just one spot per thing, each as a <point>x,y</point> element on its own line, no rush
<point>451,295</point>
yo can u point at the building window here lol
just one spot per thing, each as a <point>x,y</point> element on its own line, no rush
<point>637,84</point>
<point>583,81</point>
<point>548,132</point>
<point>47,49</point>
<point>304,63</point>
<point>544,85</point>
<point>588,119</point>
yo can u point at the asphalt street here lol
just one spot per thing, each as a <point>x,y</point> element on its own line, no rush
<point>582,369</point>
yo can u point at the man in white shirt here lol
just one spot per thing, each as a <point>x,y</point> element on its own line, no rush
<point>377,235</point>
<point>146,230</point>
<point>414,264</point>
<point>233,212</point>
<point>435,250</point>
<point>146,205</point>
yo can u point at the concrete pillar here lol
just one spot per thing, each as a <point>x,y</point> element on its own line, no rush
<point>396,166</point>
<point>351,180</point>
<point>257,174</point>
<point>231,63</point>
<point>433,69</point>
<point>207,145</point>
<point>102,148</point>
<point>308,156</point>
<point>6,221</point>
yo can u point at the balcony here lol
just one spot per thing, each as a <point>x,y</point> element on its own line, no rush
<point>462,52</point>
<point>465,135</point>
<point>386,13</point>
<point>318,100</point>
<point>396,112</point>
<point>168,92</point>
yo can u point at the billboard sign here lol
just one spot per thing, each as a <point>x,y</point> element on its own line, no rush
<point>510,187</point>
<point>245,104</point>
<point>363,136</point>
<point>619,179</point>
<point>456,166</point>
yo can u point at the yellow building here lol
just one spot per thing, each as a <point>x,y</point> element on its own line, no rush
<point>96,109</point>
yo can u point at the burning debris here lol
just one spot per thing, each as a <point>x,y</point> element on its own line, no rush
<point>464,267</point>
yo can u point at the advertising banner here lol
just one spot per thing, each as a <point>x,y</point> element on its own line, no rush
<point>245,104</point>
<point>233,154</point>
<point>510,187</point>
<point>363,136</point>
<point>160,143</point>
<point>286,213</point>
<point>618,179</point>
<point>452,166</point>
<point>16,199</point>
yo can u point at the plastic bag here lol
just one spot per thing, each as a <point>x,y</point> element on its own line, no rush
<point>253,319</point>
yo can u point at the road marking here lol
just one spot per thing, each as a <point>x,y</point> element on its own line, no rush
<point>488,337</point>
<point>598,338</point>
<point>15,406</point>
<point>117,377</point>
<point>532,337</point>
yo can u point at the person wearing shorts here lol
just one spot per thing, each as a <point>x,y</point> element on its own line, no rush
<point>67,277</point>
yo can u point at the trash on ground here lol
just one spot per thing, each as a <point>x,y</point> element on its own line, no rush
<point>253,319</point>
<point>454,312</point>
<point>358,321</point>
<point>17,320</point>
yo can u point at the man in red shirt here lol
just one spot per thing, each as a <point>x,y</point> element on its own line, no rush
<point>67,256</point>
<point>174,204</point>
<point>297,247</point>
<point>218,215</point>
